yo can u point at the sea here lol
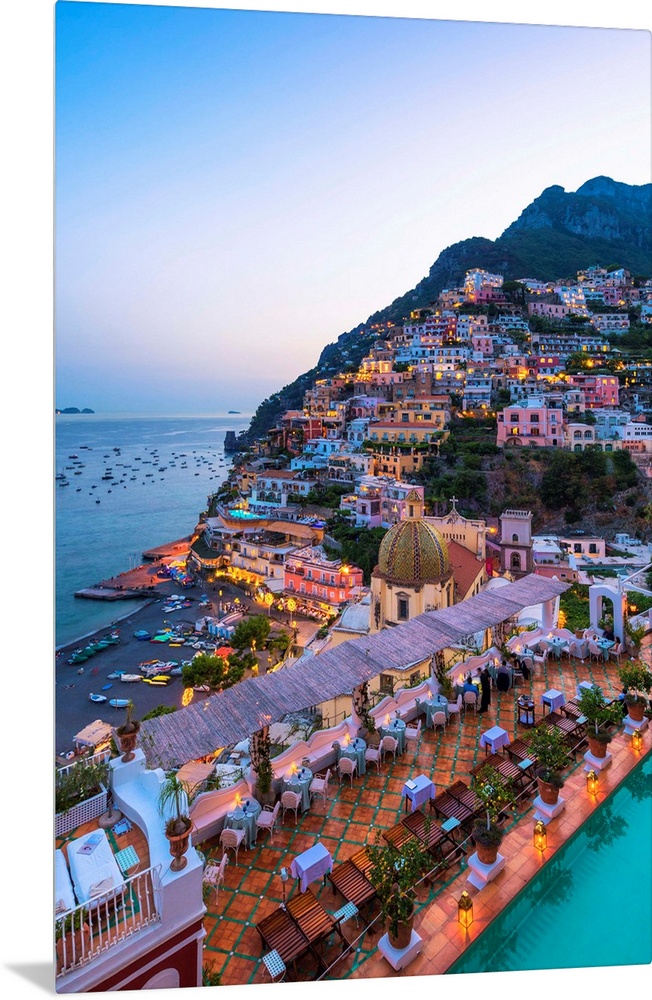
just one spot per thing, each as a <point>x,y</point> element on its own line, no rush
<point>133,482</point>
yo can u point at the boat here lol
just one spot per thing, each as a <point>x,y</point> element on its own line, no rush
<point>115,675</point>
<point>119,702</point>
<point>96,697</point>
<point>105,687</point>
<point>142,634</point>
<point>158,684</point>
<point>130,678</point>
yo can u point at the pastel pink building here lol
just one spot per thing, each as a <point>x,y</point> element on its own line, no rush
<point>599,390</point>
<point>530,422</point>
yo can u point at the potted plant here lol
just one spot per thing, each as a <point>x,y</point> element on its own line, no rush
<point>495,794</point>
<point>551,751</point>
<point>81,792</point>
<point>175,794</point>
<point>636,679</point>
<point>127,734</point>
<point>72,940</point>
<point>598,714</point>
<point>394,874</point>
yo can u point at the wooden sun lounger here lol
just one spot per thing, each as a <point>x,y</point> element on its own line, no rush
<point>450,807</point>
<point>350,878</point>
<point>397,835</point>
<point>505,767</point>
<point>311,918</point>
<point>279,932</point>
<point>571,709</point>
<point>519,750</point>
<point>429,833</point>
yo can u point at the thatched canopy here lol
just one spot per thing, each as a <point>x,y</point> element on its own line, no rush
<point>234,714</point>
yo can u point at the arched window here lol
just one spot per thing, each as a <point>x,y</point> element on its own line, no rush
<point>516,560</point>
<point>514,537</point>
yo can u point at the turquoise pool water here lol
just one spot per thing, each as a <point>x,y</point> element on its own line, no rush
<point>591,905</point>
<point>244,515</point>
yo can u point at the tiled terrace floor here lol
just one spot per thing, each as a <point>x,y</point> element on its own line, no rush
<point>354,816</point>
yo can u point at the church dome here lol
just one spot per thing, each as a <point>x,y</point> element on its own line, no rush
<point>413,551</point>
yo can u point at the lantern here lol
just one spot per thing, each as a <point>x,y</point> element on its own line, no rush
<point>592,783</point>
<point>387,719</point>
<point>465,910</point>
<point>637,739</point>
<point>540,835</point>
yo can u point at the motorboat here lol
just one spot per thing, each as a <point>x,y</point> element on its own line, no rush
<point>130,678</point>
<point>119,702</point>
<point>96,697</point>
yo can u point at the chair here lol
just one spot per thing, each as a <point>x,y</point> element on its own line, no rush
<point>319,786</point>
<point>439,719</point>
<point>617,651</point>
<point>291,801</point>
<point>347,766</point>
<point>527,661</point>
<point>412,735</point>
<point>576,649</point>
<point>594,651</point>
<point>267,820</point>
<point>388,745</point>
<point>470,698</point>
<point>231,840</point>
<point>275,966</point>
<point>502,681</point>
<point>372,756</point>
<point>540,659</point>
<point>214,874</point>
<point>455,707</point>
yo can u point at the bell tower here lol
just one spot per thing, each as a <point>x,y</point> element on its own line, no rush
<point>516,542</point>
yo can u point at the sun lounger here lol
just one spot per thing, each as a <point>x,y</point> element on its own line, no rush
<point>280,933</point>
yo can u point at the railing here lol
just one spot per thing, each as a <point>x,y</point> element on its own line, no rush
<point>89,930</point>
<point>96,758</point>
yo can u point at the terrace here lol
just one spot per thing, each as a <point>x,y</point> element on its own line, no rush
<point>355,815</point>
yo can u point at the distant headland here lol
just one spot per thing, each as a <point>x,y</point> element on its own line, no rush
<point>234,411</point>
<point>74,409</point>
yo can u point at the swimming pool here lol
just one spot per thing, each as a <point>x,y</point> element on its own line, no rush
<point>591,904</point>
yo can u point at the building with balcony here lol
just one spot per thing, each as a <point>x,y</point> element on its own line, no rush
<point>530,422</point>
<point>316,579</point>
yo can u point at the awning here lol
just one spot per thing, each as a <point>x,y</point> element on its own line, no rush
<point>95,733</point>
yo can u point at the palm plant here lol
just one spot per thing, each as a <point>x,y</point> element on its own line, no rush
<point>175,793</point>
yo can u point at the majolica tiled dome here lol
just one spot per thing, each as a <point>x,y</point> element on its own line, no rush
<point>413,552</point>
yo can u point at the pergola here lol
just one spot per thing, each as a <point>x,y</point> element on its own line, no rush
<point>252,705</point>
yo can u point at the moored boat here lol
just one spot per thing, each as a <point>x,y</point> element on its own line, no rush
<point>130,678</point>
<point>119,702</point>
<point>97,697</point>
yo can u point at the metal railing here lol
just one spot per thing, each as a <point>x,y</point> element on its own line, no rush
<point>90,929</point>
<point>96,758</point>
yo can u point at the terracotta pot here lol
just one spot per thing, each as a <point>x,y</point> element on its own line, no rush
<point>402,938</point>
<point>548,792</point>
<point>636,710</point>
<point>486,855</point>
<point>128,743</point>
<point>178,847</point>
<point>597,747</point>
<point>72,947</point>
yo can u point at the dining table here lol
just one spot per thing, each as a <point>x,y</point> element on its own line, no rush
<point>355,750</point>
<point>556,645</point>
<point>311,865</point>
<point>299,781</point>
<point>244,817</point>
<point>418,790</point>
<point>493,739</point>
<point>553,698</point>
<point>432,705</point>
<point>396,729</point>
<point>605,645</point>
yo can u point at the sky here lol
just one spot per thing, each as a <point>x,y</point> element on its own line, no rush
<point>27,311</point>
<point>235,189</point>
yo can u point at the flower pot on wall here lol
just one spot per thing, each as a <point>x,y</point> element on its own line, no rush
<point>636,709</point>
<point>179,843</point>
<point>598,748</point>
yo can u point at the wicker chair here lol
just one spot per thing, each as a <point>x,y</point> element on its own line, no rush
<point>291,801</point>
<point>231,840</point>
<point>388,745</point>
<point>319,786</point>
<point>348,767</point>
<point>267,820</point>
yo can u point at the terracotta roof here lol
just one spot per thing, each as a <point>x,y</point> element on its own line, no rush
<point>465,566</point>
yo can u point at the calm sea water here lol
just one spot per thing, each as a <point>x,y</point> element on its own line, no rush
<point>163,471</point>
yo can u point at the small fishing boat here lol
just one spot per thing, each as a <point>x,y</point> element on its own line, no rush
<point>119,702</point>
<point>150,680</point>
<point>96,697</point>
<point>105,687</point>
<point>130,678</point>
<point>115,675</point>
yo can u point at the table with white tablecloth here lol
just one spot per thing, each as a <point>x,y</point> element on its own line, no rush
<point>312,865</point>
<point>553,698</point>
<point>493,739</point>
<point>418,790</point>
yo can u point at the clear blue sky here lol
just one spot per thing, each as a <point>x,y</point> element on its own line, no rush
<point>234,189</point>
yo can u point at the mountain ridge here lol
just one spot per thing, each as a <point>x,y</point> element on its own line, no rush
<point>604,222</point>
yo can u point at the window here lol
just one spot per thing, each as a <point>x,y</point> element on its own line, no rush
<point>516,560</point>
<point>403,612</point>
<point>386,684</point>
